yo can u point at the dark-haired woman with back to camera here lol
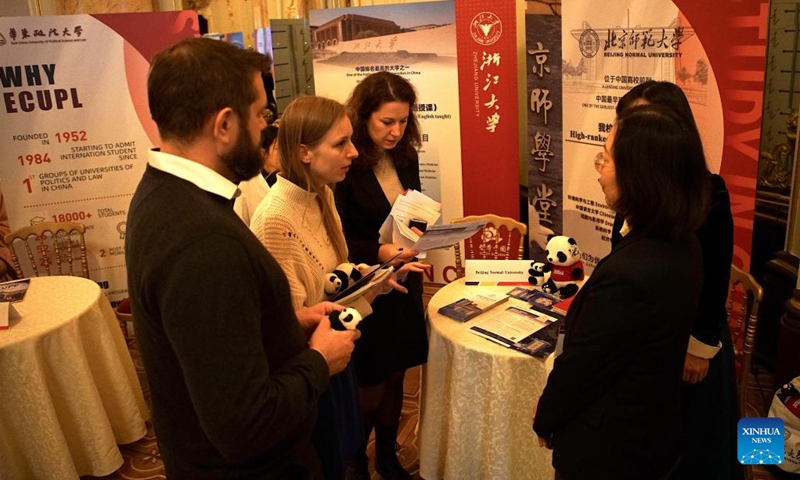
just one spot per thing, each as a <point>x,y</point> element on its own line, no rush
<point>387,135</point>
<point>611,406</point>
<point>709,374</point>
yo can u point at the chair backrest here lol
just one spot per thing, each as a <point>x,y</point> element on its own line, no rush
<point>124,315</point>
<point>743,302</point>
<point>49,249</point>
<point>502,238</point>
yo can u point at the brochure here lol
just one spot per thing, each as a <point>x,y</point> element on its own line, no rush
<point>14,291</point>
<point>444,236</point>
<point>542,301</point>
<point>475,304</point>
<point>543,342</point>
<point>11,292</point>
<point>531,332</point>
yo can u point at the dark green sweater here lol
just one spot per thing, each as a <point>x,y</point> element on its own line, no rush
<point>233,382</point>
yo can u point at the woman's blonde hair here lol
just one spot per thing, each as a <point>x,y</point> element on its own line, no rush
<point>304,123</point>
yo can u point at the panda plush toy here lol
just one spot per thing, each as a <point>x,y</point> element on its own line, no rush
<point>347,319</point>
<point>566,266</point>
<point>539,273</point>
<point>343,276</point>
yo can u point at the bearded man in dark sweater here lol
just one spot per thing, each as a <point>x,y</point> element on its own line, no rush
<point>235,372</point>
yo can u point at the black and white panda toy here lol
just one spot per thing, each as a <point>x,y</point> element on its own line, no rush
<point>342,277</point>
<point>347,319</point>
<point>539,273</point>
<point>566,266</point>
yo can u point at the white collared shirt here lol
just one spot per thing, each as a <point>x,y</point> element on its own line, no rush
<point>193,172</point>
<point>625,229</point>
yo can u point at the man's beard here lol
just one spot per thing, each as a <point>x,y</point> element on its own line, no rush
<point>245,160</point>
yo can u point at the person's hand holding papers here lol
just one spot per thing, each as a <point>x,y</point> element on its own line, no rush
<point>414,207</point>
<point>411,206</point>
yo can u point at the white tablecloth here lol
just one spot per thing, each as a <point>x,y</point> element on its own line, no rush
<point>476,402</point>
<point>68,389</point>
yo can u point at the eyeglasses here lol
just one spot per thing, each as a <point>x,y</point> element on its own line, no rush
<point>599,162</point>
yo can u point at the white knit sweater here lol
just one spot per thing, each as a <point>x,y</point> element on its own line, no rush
<point>253,192</point>
<point>288,222</point>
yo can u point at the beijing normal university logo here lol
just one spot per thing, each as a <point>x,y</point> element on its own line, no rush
<point>486,28</point>
<point>760,441</point>
<point>589,43</point>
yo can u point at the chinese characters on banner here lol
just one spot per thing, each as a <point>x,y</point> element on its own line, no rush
<point>545,153</point>
<point>610,47</point>
<point>487,80</point>
<point>75,123</point>
<point>492,107</point>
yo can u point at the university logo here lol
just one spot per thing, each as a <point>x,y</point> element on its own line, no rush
<point>589,43</point>
<point>760,441</point>
<point>486,28</point>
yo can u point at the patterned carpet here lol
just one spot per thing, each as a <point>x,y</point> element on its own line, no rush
<point>143,462</point>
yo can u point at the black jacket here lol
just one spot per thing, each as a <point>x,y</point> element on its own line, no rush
<point>395,336</point>
<point>716,244</point>
<point>612,401</point>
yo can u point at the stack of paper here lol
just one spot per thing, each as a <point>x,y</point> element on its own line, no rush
<point>415,206</point>
<point>411,205</point>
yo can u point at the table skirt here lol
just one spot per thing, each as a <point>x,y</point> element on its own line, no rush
<point>70,395</point>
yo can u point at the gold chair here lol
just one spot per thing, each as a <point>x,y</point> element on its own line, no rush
<point>47,244</point>
<point>501,239</point>
<point>744,298</point>
<point>743,302</point>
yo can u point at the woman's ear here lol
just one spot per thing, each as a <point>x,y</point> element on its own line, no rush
<point>305,154</point>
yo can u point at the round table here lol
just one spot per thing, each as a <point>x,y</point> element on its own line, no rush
<point>68,389</point>
<point>477,398</point>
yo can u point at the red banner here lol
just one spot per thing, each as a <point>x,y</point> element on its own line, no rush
<point>738,57</point>
<point>487,73</point>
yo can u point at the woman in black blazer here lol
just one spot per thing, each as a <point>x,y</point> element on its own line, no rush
<point>611,406</point>
<point>386,134</point>
<point>709,375</point>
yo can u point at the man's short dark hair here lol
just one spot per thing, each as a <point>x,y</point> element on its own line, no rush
<point>660,172</point>
<point>195,78</point>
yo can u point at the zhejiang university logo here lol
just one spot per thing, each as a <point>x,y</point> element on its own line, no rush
<point>760,441</point>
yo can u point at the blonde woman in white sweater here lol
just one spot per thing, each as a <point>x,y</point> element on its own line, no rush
<point>298,223</point>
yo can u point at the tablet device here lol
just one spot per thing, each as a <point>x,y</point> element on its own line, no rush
<point>363,280</point>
